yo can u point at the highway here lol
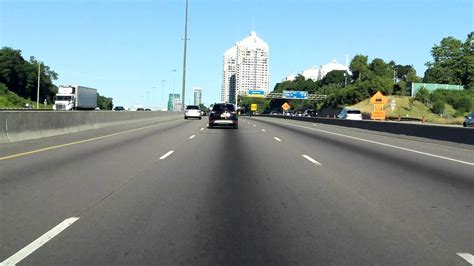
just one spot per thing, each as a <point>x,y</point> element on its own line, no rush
<point>273,192</point>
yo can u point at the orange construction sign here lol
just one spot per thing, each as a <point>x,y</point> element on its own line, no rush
<point>285,106</point>
<point>379,100</point>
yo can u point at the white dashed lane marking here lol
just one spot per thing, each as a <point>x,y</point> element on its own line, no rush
<point>311,160</point>
<point>277,139</point>
<point>166,155</point>
<point>468,257</point>
<point>33,246</point>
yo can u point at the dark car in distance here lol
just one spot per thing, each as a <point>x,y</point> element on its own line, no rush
<point>469,120</point>
<point>119,108</point>
<point>223,114</point>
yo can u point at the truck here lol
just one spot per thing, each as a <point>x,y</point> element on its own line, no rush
<point>73,97</point>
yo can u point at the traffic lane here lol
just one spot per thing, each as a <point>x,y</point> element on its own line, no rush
<point>34,144</point>
<point>444,148</point>
<point>243,200</point>
<point>389,150</point>
<point>40,190</point>
<point>433,197</point>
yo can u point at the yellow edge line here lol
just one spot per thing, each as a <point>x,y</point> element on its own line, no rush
<point>78,142</point>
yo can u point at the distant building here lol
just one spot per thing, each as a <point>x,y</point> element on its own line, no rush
<point>245,68</point>
<point>228,76</point>
<point>334,65</point>
<point>316,73</point>
<point>197,95</point>
<point>311,73</point>
<point>174,102</point>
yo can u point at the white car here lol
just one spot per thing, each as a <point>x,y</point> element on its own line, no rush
<point>350,114</point>
<point>192,111</point>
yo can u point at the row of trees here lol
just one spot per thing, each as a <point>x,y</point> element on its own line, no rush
<point>20,76</point>
<point>453,63</point>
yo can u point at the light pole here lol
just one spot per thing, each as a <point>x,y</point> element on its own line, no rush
<point>147,104</point>
<point>184,59</point>
<point>38,89</point>
<point>162,89</point>
<point>174,77</point>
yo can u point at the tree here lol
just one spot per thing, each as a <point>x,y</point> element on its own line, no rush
<point>468,62</point>
<point>380,69</point>
<point>104,103</point>
<point>21,76</point>
<point>334,77</point>
<point>359,66</point>
<point>447,67</point>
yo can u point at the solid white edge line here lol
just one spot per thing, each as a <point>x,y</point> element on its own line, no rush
<point>311,159</point>
<point>468,257</point>
<point>379,143</point>
<point>277,139</point>
<point>33,246</point>
<point>166,155</point>
<point>192,136</point>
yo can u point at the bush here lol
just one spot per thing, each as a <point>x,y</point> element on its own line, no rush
<point>422,95</point>
<point>438,107</point>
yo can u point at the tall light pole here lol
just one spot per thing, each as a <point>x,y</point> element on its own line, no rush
<point>162,89</point>
<point>174,77</point>
<point>184,60</point>
<point>38,89</point>
<point>147,103</point>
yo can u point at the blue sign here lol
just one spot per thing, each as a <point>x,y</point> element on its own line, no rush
<point>256,93</point>
<point>295,95</point>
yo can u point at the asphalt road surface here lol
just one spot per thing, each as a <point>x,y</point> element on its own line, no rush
<point>273,192</point>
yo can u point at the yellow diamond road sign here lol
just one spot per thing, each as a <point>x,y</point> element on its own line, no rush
<point>253,107</point>
<point>285,106</point>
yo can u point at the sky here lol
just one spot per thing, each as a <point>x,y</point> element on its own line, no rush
<point>128,49</point>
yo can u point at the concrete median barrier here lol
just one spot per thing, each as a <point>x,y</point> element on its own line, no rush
<point>19,125</point>
<point>435,132</point>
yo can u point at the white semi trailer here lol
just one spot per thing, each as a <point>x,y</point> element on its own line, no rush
<point>73,97</point>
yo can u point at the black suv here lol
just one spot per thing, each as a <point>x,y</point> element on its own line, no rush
<point>223,114</point>
<point>119,108</point>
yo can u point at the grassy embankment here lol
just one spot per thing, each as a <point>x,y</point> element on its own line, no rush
<point>416,110</point>
<point>9,99</point>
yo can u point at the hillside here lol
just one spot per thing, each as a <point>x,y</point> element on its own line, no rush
<point>416,111</point>
<point>9,100</point>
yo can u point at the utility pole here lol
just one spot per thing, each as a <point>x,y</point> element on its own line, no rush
<point>184,60</point>
<point>38,90</point>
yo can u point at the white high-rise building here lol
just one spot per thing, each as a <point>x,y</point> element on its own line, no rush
<point>245,68</point>
<point>197,95</point>
<point>228,76</point>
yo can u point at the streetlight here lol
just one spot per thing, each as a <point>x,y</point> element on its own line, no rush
<point>38,90</point>
<point>174,77</point>
<point>147,104</point>
<point>184,59</point>
<point>162,89</point>
<point>153,102</point>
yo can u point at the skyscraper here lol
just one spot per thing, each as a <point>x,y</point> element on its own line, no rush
<point>174,102</point>
<point>197,95</point>
<point>245,68</point>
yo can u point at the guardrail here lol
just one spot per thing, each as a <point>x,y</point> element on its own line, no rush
<point>436,132</point>
<point>18,125</point>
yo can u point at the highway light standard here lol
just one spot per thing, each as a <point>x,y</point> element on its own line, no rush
<point>162,89</point>
<point>184,60</point>
<point>38,90</point>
